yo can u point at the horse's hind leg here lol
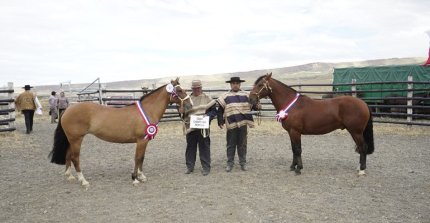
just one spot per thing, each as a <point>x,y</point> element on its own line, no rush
<point>362,150</point>
<point>68,172</point>
<point>75,149</point>
<point>363,157</point>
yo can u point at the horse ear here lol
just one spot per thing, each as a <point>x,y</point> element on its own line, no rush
<point>175,81</point>
<point>268,76</point>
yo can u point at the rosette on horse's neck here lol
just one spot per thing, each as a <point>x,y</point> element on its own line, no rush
<point>170,88</point>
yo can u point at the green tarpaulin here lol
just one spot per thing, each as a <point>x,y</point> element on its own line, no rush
<point>381,74</point>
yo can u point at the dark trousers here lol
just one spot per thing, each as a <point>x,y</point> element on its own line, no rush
<point>237,138</point>
<point>28,117</point>
<point>195,138</point>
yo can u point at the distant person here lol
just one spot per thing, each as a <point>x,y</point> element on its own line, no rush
<point>234,112</point>
<point>202,105</point>
<point>63,103</point>
<point>53,106</point>
<point>25,102</point>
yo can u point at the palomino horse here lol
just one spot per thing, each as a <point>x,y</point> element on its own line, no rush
<point>136,123</point>
<point>301,115</point>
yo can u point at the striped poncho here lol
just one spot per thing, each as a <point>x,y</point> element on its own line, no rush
<point>202,105</point>
<point>236,109</point>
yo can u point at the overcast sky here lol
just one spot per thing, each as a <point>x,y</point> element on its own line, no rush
<point>52,41</point>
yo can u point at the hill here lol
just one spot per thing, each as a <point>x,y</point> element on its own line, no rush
<point>307,73</point>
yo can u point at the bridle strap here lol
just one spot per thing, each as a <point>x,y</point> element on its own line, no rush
<point>174,94</point>
<point>265,86</point>
<point>269,89</point>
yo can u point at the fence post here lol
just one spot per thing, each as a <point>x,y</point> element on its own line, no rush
<point>11,106</point>
<point>409,96</point>
<point>354,88</point>
<point>100,92</point>
<point>103,94</point>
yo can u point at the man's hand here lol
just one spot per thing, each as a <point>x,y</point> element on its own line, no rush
<point>258,106</point>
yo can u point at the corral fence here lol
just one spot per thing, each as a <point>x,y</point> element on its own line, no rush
<point>7,109</point>
<point>409,110</point>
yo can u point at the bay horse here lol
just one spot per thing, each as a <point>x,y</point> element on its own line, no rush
<point>301,115</point>
<point>136,123</point>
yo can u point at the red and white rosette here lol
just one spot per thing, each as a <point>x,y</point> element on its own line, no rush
<point>170,88</point>
<point>283,114</point>
<point>151,131</point>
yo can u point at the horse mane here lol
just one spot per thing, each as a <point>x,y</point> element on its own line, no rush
<point>146,95</point>
<point>279,82</point>
<point>259,79</point>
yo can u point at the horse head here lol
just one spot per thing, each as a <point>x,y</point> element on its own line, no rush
<point>180,97</point>
<point>261,89</point>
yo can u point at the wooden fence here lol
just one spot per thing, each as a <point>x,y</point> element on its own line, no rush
<point>413,111</point>
<point>7,109</point>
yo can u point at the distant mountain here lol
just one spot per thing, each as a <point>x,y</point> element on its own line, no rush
<point>306,73</point>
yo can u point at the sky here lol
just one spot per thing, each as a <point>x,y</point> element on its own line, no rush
<point>52,41</point>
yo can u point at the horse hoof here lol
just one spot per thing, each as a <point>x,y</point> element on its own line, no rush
<point>298,172</point>
<point>292,168</point>
<point>85,183</point>
<point>361,173</point>
<point>136,182</point>
<point>142,178</point>
<point>71,178</point>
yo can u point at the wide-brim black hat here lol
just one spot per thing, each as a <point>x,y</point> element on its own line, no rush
<point>235,79</point>
<point>27,87</point>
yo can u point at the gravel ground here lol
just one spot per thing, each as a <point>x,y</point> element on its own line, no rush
<point>395,189</point>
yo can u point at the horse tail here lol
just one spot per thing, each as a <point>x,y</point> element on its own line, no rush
<point>61,144</point>
<point>368,134</point>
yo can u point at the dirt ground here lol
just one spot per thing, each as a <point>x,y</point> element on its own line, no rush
<point>395,189</point>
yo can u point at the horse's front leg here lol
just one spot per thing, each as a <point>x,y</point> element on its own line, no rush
<point>296,147</point>
<point>137,174</point>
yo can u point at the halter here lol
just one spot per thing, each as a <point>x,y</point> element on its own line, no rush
<point>174,94</point>
<point>269,89</point>
<point>265,86</point>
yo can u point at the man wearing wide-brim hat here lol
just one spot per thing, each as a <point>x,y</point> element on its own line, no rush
<point>25,102</point>
<point>203,105</point>
<point>235,80</point>
<point>234,112</point>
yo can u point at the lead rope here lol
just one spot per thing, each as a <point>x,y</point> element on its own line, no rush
<point>268,88</point>
<point>258,111</point>
<point>173,93</point>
